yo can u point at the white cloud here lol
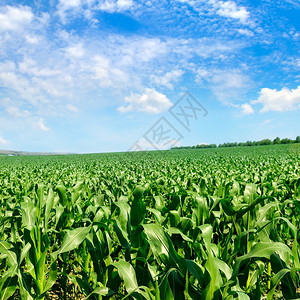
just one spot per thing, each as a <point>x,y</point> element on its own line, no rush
<point>229,9</point>
<point>247,109</point>
<point>75,51</point>
<point>88,7</point>
<point>35,74</point>
<point>36,80</point>
<point>151,101</point>
<point>32,39</point>
<point>35,89</point>
<point>68,6</point>
<point>204,48</point>
<point>293,2</point>
<point>293,63</point>
<point>115,5</point>
<point>30,67</point>
<point>3,141</point>
<point>15,18</point>
<point>145,49</point>
<point>283,100</point>
<point>17,112</point>
<point>227,85</point>
<point>5,102</point>
<point>125,3</point>
<point>72,108</point>
<point>7,66</point>
<point>245,31</point>
<point>266,122</point>
<point>41,125</point>
<point>70,3</point>
<point>106,74</point>
<point>168,79</point>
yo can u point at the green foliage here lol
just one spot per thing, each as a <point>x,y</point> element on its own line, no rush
<point>202,224</point>
<point>263,142</point>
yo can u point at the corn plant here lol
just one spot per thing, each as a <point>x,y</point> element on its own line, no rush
<point>180,224</point>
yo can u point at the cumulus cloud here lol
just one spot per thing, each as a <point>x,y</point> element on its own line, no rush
<point>41,125</point>
<point>151,101</point>
<point>65,6</point>
<point>70,3</point>
<point>229,9</point>
<point>15,18</point>
<point>3,141</point>
<point>75,51</point>
<point>114,5</point>
<point>247,109</point>
<point>284,100</point>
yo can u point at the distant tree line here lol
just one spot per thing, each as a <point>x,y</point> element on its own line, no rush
<point>276,141</point>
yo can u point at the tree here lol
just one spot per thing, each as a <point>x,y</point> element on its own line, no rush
<point>286,141</point>
<point>276,141</point>
<point>265,142</point>
<point>298,139</point>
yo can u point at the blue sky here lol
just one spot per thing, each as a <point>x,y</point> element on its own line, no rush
<point>96,76</point>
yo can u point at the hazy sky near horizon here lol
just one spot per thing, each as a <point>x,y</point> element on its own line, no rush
<point>97,76</point>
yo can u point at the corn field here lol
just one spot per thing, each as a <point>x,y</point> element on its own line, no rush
<point>180,224</point>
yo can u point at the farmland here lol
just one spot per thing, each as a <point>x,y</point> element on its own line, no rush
<point>179,224</point>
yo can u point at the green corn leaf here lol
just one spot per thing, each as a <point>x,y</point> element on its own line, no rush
<point>62,192</point>
<point>72,239</point>
<point>275,281</point>
<point>295,241</point>
<point>8,286</point>
<point>25,286</point>
<point>124,214</point>
<point>138,208</point>
<point>101,291</point>
<point>127,274</point>
<point>173,230</point>
<point>28,214</point>
<point>260,250</point>
<point>52,276</point>
<point>162,247</point>
<point>24,253</point>
<point>165,290</point>
<point>196,270</point>
<point>49,206</point>
<point>288,285</point>
<point>7,249</point>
